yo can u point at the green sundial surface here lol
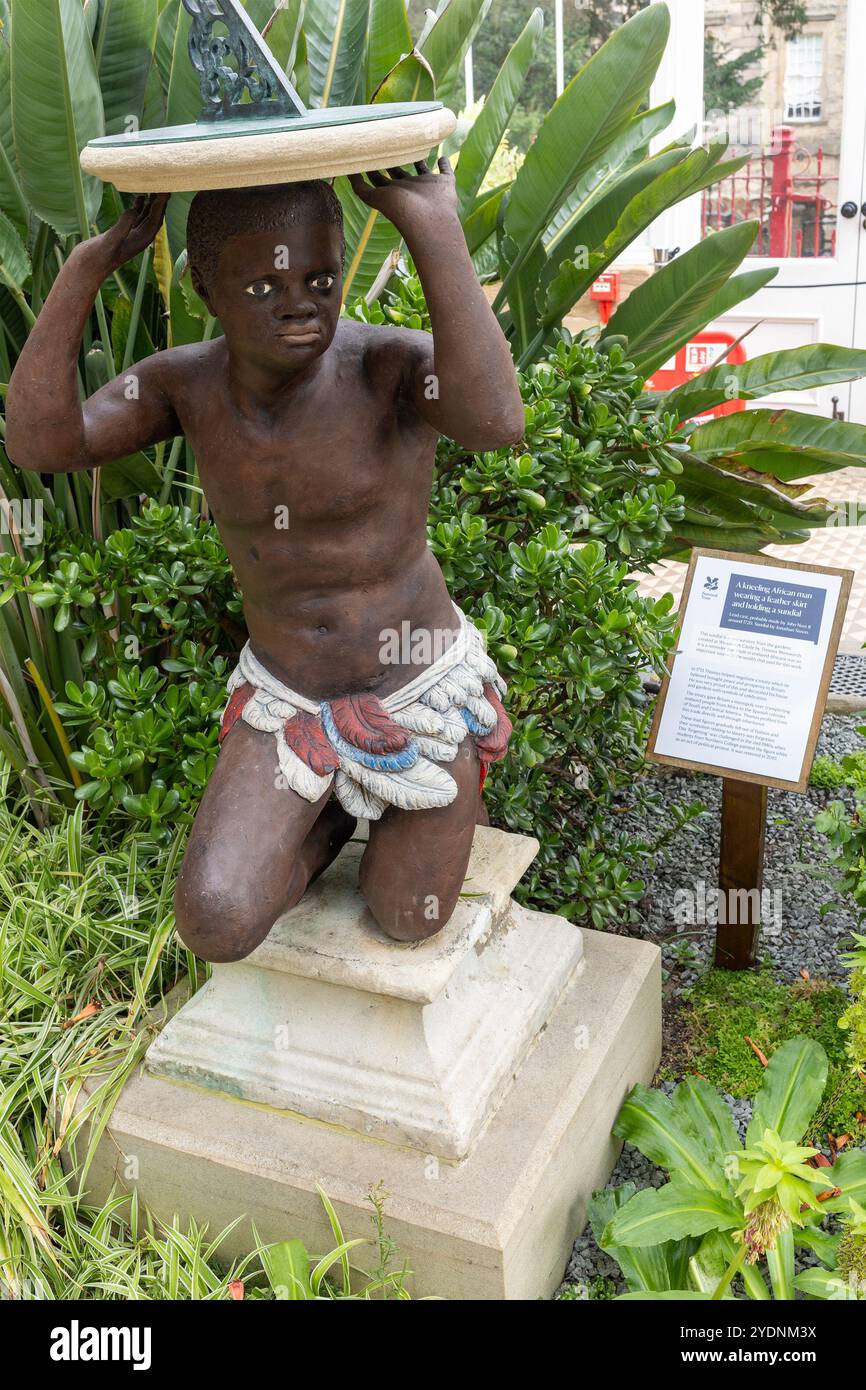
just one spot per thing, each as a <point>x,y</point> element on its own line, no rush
<point>237,127</point>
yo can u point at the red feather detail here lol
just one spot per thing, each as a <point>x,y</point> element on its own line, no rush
<point>493,746</point>
<point>234,709</point>
<point>363,721</point>
<point>306,737</point>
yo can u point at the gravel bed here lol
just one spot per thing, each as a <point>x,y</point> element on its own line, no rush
<point>799,882</point>
<point>798,877</point>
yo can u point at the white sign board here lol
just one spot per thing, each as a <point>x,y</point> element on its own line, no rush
<point>749,679</point>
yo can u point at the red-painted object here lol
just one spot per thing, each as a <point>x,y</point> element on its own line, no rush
<point>605,292</point>
<point>768,189</point>
<point>706,350</point>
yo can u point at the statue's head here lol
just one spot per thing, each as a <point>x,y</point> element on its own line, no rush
<point>268,262</point>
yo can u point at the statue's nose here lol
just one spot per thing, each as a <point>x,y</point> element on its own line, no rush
<point>295,306</point>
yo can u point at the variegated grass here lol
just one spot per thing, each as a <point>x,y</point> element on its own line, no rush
<point>87,950</point>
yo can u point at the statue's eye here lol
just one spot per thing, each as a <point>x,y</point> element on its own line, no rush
<point>260,289</point>
<point>324,281</point>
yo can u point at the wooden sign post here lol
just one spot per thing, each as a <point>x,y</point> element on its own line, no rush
<point>743,699</point>
<point>741,871</point>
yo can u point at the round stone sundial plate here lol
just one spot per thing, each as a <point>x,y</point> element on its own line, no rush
<point>240,152</point>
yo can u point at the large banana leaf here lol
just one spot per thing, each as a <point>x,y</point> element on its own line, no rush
<point>183,102</point>
<point>671,185</point>
<point>666,305</point>
<point>672,1212</point>
<point>14,256</point>
<point>587,119</point>
<point>410,80</point>
<point>283,32</point>
<point>791,1092</point>
<point>56,110</point>
<point>12,200</point>
<point>788,443</point>
<point>793,369</point>
<point>480,224</point>
<point>125,38</point>
<point>601,195</point>
<point>389,40</point>
<point>445,44</point>
<point>490,126</point>
<point>743,497</point>
<point>335,32</point>
<point>737,289</point>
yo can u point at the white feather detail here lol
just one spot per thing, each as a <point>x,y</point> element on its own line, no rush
<point>455,727</point>
<point>435,748</point>
<point>255,714</point>
<point>301,779</point>
<point>437,699</point>
<point>355,800</point>
<point>485,668</point>
<point>483,711</point>
<point>415,788</point>
<point>278,708</point>
<point>420,719</point>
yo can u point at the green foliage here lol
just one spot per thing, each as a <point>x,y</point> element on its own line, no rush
<point>147,618</point>
<point>846,833</point>
<point>726,1007</point>
<point>727,85</point>
<point>853,1021</point>
<point>729,1208</point>
<point>849,772</point>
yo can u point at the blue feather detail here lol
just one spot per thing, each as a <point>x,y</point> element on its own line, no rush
<point>472,723</point>
<point>376,762</point>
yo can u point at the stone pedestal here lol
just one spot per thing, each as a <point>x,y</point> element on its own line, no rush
<point>410,1043</point>
<point>476,1075</point>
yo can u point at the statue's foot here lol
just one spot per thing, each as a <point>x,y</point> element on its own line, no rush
<point>323,843</point>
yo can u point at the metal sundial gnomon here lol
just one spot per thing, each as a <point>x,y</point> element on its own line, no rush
<point>256,85</point>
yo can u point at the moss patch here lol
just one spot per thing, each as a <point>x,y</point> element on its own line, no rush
<point>726,1007</point>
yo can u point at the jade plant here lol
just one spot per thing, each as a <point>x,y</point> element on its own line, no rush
<point>732,1210</point>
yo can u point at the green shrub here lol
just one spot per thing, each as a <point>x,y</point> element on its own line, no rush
<point>853,1021</point>
<point>849,772</point>
<point>150,618</point>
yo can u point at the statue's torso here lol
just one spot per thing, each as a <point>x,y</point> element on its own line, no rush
<point>322,507</point>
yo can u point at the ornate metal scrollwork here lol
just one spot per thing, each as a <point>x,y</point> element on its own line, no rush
<point>239,75</point>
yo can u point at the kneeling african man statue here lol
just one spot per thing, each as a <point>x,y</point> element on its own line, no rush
<point>329,425</point>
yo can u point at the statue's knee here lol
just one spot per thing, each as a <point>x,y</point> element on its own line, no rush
<point>415,917</point>
<point>218,926</point>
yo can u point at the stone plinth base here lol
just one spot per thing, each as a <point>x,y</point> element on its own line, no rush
<point>497,1225</point>
<point>410,1043</point>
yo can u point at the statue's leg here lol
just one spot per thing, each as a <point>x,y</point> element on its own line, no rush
<point>253,850</point>
<point>415,864</point>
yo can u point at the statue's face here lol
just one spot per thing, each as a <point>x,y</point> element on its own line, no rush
<point>277,294</point>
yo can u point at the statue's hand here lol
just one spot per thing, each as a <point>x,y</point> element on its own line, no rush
<point>410,201</point>
<point>130,235</point>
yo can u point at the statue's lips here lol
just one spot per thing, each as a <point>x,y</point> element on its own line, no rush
<point>300,339</point>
